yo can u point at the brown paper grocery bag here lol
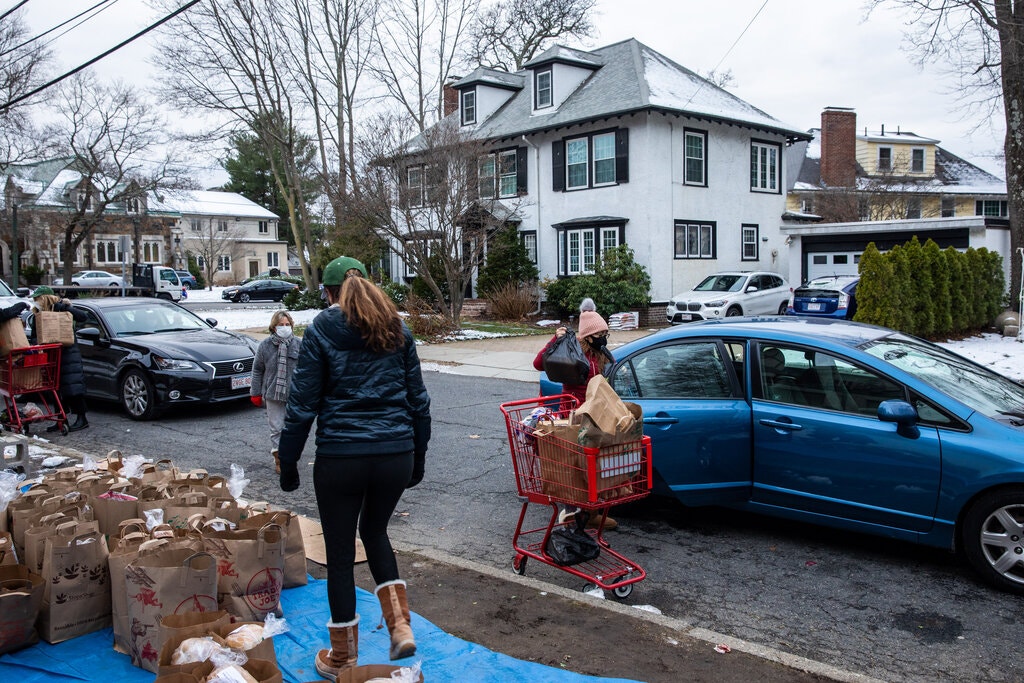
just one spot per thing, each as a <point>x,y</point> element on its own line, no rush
<point>12,336</point>
<point>294,547</point>
<point>21,596</point>
<point>59,523</point>
<point>250,569</point>
<point>175,628</point>
<point>609,414</point>
<point>54,327</point>
<point>116,504</point>
<point>8,555</point>
<point>262,650</point>
<point>164,583</point>
<point>77,596</point>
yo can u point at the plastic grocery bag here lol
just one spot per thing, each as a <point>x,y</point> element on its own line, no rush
<point>565,361</point>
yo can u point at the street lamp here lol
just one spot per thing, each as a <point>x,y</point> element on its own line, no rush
<point>177,251</point>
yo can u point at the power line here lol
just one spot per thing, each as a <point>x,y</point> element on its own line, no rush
<point>63,23</point>
<point>727,52</point>
<point>36,91</point>
<point>12,10</point>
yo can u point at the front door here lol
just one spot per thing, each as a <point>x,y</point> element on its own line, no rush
<point>254,268</point>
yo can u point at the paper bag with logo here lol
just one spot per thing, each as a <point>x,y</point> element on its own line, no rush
<point>164,583</point>
<point>77,596</point>
<point>66,522</point>
<point>12,336</point>
<point>250,569</point>
<point>54,327</point>
<point>21,596</point>
<point>294,547</point>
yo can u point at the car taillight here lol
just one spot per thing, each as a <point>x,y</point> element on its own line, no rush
<point>844,300</point>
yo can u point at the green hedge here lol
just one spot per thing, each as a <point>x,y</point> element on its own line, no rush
<point>929,292</point>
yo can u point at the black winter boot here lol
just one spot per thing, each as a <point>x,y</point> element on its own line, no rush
<point>78,408</point>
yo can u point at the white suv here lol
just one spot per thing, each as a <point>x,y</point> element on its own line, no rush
<point>729,294</point>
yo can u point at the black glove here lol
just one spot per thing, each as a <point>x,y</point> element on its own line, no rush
<point>289,476</point>
<point>14,310</point>
<point>417,469</point>
<point>62,306</point>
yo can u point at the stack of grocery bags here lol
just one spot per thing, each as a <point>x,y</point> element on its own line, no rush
<point>186,573</point>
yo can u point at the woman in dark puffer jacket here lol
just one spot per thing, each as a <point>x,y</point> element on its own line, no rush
<point>358,375</point>
<point>72,372</point>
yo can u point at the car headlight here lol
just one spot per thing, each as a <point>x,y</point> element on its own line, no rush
<point>175,364</point>
<point>718,303</point>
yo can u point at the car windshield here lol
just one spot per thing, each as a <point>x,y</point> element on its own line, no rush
<point>988,392</point>
<point>5,290</point>
<point>151,318</point>
<point>721,283</point>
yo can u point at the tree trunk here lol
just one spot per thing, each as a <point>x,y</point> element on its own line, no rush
<point>1011,32</point>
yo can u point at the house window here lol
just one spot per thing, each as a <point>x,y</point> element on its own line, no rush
<point>222,226</point>
<point>530,244</point>
<point>840,259</point>
<point>486,172</point>
<point>224,262</point>
<point>85,201</point>
<point>61,251</point>
<point>694,161</point>
<point>914,207</point>
<point>107,251</point>
<point>468,107</point>
<point>948,207</point>
<point>132,205</point>
<point>200,262</point>
<point>414,186</point>
<point>507,174</point>
<point>695,240</point>
<point>764,166</point>
<point>499,174</point>
<point>576,163</point>
<point>273,259</point>
<point>807,205</point>
<point>864,209</point>
<point>991,207</point>
<point>884,159</point>
<point>428,249</point>
<point>542,88</point>
<point>917,160</point>
<point>604,158</point>
<point>196,225</point>
<point>579,249</point>
<point>820,259</point>
<point>749,238</point>
<point>264,227</point>
<point>151,252</point>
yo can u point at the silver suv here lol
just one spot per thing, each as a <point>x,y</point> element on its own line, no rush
<point>730,294</point>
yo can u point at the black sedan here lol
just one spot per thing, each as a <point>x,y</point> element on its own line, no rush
<point>149,355</point>
<point>259,290</point>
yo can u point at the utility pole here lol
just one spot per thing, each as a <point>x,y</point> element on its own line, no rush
<point>15,256</point>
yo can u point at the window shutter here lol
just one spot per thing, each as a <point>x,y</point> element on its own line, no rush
<point>521,160</point>
<point>558,166</point>
<point>622,155</point>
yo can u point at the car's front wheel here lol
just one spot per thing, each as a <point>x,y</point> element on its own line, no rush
<point>734,312</point>
<point>244,298</point>
<point>993,538</point>
<point>137,395</point>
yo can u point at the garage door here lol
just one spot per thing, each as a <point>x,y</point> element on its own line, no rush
<point>835,263</point>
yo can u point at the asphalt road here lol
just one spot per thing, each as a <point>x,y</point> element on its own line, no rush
<point>888,610</point>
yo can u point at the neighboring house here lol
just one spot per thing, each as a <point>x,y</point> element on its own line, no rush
<point>848,189</point>
<point>620,145</point>
<point>240,234</point>
<point>153,227</point>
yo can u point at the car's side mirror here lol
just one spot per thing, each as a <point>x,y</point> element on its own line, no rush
<point>751,288</point>
<point>91,334</point>
<point>212,322</point>
<point>903,414</point>
<point>23,291</point>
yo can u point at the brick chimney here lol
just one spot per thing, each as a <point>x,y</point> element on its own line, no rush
<point>838,146</point>
<point>451,99</point>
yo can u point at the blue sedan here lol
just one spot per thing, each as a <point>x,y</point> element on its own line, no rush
<point>836,423</point>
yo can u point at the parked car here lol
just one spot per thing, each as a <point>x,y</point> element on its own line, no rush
<point>258,290</point>
<point>188,280</point>
<point>150,355</point>
<point>730,294</point>
<point>93,278</point>
<point>8,297</point>
<point>836,423</point>
<point>833,296</point>
<point>274,274</point>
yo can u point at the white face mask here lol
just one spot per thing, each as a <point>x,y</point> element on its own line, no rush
<point>283,331</point>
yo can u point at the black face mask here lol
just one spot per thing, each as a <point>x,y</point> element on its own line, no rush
<point>598,343</point>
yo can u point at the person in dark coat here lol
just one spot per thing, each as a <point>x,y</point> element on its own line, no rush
<point>72,372</point>
<point>358,375</point>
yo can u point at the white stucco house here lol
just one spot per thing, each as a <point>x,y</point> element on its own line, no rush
<point>590,150</point>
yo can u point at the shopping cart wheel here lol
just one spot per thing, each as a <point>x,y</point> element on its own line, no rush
<point>64,428</point>
<point>622,592</point>
<point>26,430</point>
<point>519,565</point>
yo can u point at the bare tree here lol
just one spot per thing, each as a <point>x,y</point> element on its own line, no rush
<point>509,33</point>
<point>982,42</point>
<point>111,135</point>
<point>229,59</point>
<point>21,63</point>
<point>424,199</point>
<point>214,240</point>
<point>418,44</point>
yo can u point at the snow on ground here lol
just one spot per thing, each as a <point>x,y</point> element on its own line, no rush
<point>1005,355</point>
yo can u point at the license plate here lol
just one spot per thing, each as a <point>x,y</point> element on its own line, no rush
<point>685,316</point>
<point>241,382</point>
<point>813,307</point>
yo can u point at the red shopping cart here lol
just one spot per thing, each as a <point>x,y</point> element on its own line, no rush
<point>29,378</point>
<point>551,470</point>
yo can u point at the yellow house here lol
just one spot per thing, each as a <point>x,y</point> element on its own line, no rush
<point>845,175</point>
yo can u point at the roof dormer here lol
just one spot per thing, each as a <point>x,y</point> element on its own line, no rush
<point>556,73</point>
<point>483,92</point>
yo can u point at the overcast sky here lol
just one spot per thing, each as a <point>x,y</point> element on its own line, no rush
<point>796,57</point>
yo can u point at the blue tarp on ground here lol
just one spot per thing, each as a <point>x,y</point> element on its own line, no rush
<point>443,657</point>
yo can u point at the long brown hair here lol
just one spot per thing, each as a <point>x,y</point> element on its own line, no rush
<point>373,313</point>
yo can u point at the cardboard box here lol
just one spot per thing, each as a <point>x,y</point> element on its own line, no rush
<point>54,328</point>
<point>12,336</point>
